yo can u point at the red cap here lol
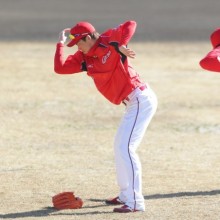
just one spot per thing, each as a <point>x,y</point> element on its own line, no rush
<point>215,38</point>
<point>79,31</point>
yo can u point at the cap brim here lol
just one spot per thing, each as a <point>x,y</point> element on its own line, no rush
<point>72,42</point>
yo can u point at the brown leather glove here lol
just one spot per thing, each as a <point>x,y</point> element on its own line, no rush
<point>66,200</point>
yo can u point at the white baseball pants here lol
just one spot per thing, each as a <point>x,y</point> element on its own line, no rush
<point>139,111</point>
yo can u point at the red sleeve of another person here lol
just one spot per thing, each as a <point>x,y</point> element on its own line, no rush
<point>211,61</point>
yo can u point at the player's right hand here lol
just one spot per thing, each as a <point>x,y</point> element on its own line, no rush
<point>127,51</point>
<point>64,35</point>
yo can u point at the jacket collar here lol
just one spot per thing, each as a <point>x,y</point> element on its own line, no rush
<point>94,50</point>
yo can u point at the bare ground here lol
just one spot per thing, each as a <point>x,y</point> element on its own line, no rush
<point>57,134</point>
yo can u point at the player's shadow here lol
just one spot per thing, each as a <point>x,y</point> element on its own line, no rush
<point>174,195</point>
<point>182,194</point>
<point>51,211</point>
<point>35,213</point>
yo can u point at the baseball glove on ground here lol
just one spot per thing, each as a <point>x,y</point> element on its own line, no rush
<point>66,200</point>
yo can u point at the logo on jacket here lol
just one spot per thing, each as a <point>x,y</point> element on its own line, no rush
<point>90,66</point>
<point>105,57</point>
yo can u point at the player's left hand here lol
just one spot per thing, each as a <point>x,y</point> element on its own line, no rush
<point>127,52</point>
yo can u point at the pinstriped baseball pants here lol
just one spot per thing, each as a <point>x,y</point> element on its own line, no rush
<point>139,111</point>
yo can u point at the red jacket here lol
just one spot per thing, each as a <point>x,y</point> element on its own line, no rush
<point>113,76</point>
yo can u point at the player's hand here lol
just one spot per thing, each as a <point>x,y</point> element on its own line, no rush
<point>63,36</point>
<point>127,52</point>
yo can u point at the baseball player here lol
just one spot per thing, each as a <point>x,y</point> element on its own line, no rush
<point>105,58</point>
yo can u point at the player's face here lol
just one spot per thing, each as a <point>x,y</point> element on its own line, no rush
<point>85,46</point>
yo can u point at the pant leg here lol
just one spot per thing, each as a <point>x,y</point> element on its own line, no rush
<point>138,114</point>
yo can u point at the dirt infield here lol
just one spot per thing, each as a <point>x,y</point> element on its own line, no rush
<point>54,138</point>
